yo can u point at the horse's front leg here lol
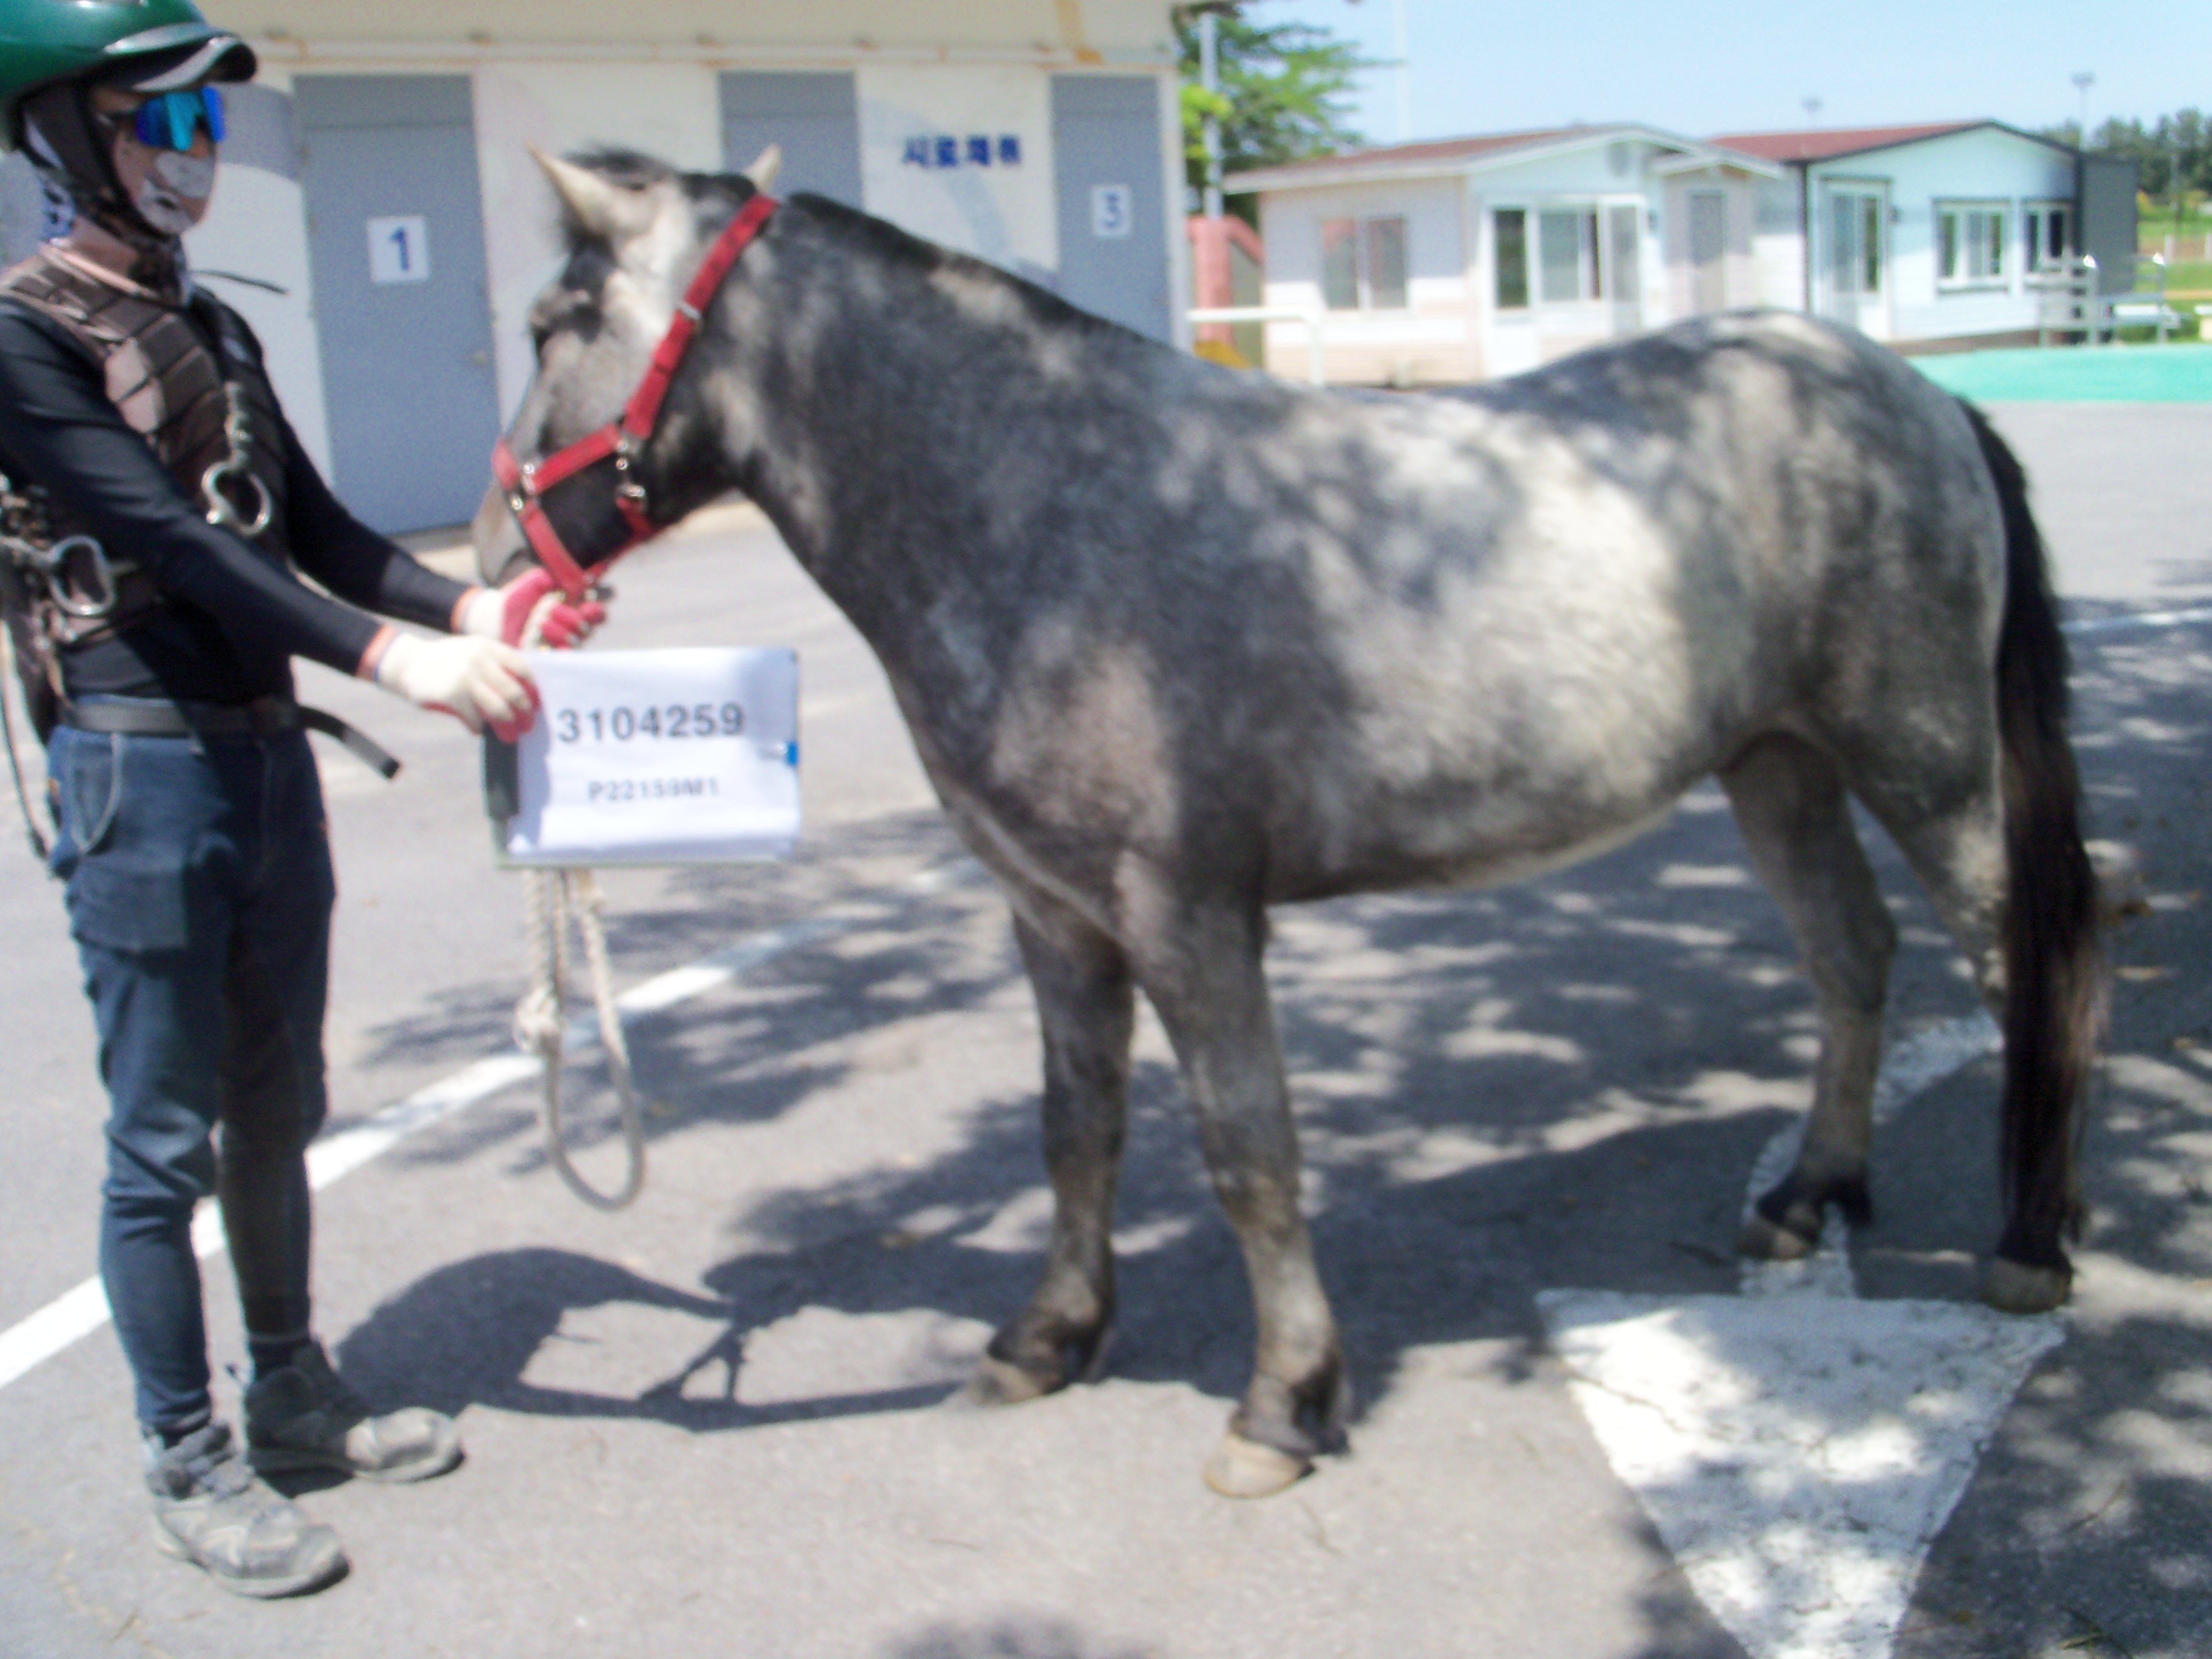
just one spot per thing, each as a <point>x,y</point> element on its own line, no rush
<point>1204,976</point>
<point>1086,1006</point>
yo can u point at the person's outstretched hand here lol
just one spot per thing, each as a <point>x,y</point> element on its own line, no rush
<point>479,682</point>
<point>532,608</point>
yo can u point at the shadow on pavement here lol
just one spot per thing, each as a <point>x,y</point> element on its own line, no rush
<point>1560,1084</point>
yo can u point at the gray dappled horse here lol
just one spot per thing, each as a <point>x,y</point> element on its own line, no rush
<point>1176,644</point>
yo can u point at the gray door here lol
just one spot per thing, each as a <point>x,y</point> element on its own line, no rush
<point>817,119</point>
<point>2108,220</point>
<point>1113,224</point>
<point>1708,251</point>
<point>395,247</point>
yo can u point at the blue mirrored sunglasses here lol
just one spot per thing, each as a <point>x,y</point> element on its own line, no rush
<point>168,117</point>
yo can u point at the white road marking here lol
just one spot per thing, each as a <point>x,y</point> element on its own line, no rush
<point>82,1310</point>
<point>1797,1463</point>
<point>1796,1449</point>
<point>2136,619</point>
<point>1908,1070</point>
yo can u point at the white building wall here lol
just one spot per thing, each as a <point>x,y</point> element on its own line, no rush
<point>668,110</point>
<point>1778,243</point>
<point>1605,177</point>
<point>563,79</point>
<point>813,32</point>
<point>1453,330</point>
<point>256,226</point>
<point>564,76</point>
<point>1985,165</point>
<point>1431,339</point>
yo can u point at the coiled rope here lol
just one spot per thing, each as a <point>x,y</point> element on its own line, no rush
<point>556,897</point>
<point>540,1020</point>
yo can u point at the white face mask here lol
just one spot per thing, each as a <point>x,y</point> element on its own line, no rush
<point>176,179</point>
<point>191,176</point>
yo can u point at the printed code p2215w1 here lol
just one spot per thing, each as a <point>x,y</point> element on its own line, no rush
<point>615,791</point>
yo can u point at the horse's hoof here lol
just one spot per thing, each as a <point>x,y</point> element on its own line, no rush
<point>1245,1469</point>
<point>1762,1241</point>
<point>2017,1287</point>
<point>998,1384</point>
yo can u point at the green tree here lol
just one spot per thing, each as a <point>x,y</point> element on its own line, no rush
<point>1282,87</point>
<point>2174,150</point>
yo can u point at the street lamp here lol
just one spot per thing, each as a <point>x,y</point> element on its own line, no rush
<point>1209,76</point>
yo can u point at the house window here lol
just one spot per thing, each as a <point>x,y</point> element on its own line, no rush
<point>1384,251</point>
<point>1363,264</point>
<point>1339,263</point>
<point>1855,242</point>
<point>1566,249</point>
<point>1970,244</point>
<point>2050,233</point>
<point>1511,254</point>
<point>1581,252</point>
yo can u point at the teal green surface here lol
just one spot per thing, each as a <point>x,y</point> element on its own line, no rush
<point>2106,374</point>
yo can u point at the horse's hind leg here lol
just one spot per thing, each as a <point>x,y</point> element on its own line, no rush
<point>1790,801</point>
<point>1086,1007</point>
<point>1200,965</point>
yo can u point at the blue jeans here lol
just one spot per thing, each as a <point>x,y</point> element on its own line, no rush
<point>200,890</point>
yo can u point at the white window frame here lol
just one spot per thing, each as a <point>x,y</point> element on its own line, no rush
<point>1965,210</point>
<point>2034,214</point>
<point>1597,279</point>
<point>1362,232</point>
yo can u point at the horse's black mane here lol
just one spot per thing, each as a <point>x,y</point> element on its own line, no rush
<point>633,170</point>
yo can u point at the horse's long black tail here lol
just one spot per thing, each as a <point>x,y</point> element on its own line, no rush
<point>2054,973</point>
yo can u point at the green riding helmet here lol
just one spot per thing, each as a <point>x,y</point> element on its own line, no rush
<point>45,41</point>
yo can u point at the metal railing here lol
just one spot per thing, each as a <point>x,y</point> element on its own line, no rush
<point>1316,356</point>
<point>2067,289</point>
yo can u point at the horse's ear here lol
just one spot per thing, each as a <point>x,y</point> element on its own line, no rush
<point>601,207</point>
<point>762,172</point>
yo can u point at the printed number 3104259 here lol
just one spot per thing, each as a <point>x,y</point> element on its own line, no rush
<point>657,721</point>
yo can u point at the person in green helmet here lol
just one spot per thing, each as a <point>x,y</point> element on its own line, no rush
<point>157,515</point>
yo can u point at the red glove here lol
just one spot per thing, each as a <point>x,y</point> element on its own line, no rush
<point>531,607</point>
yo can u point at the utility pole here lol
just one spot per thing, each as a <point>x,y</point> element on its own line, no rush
<point>1405,72</point>
<point>1209,76</point>
<point>1812,111</point>
<point>2082,81</point>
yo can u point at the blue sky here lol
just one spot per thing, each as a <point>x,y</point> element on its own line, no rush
<point>1707,66</point>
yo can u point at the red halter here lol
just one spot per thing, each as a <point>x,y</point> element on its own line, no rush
<point>526,481</point>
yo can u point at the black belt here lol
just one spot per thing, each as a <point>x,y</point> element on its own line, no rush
<point>264,717</point>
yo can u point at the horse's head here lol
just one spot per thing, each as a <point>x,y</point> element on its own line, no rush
<point>634,229</point>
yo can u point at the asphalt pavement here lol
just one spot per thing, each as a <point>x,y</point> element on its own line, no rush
<point>720,1422</point>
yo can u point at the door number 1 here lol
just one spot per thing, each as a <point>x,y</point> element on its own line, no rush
<point>400,250</point>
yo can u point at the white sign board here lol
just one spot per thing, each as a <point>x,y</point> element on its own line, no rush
<point>400,250</point>
<point>1111,216</point>
<point>962,154</point>
<point>686,756</point>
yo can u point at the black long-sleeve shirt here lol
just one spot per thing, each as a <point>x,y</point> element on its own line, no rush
<point>236,616</point>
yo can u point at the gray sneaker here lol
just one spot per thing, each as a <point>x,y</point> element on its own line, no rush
<point>306,1417</point>
<point>210,1511</point>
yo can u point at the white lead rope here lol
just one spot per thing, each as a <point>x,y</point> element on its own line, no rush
<point>540,1020</point>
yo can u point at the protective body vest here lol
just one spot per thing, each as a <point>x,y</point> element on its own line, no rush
<point>186,401</point>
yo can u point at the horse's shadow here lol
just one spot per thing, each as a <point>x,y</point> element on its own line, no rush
<point>1475,1134</point>
<point>1498,1092</point>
